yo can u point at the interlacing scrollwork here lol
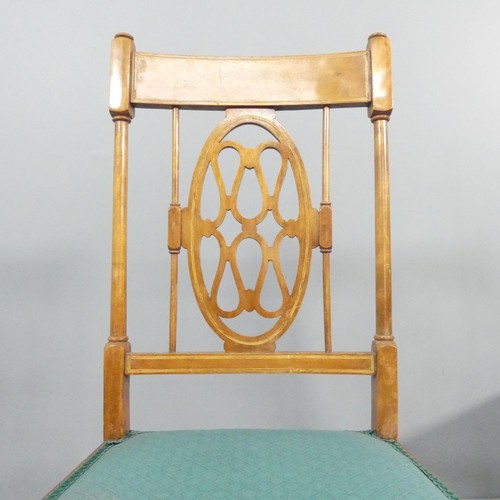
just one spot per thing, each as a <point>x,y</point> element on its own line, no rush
<point>250,300</point>
<point>303,227</point>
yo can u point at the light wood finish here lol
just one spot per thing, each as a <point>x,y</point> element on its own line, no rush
<point>384,384</point>
<point>116,382</point>
<point>119,243</point>
<point>325,231</point>
<point>122,51</point>
<point>383,234</point>
<point>325,181</point>
<point>175,156</point>
<point>325,235</point>
<point>174,232</point>
<point>301,228</point>
<point>327,312</point>
<point>174,273</point>
<point>251,89</point>
<point>174,228</point>
<point>379,48</point>
<point>385,389</point>
<point>116,391</point>
<point>330,79</point>
<point>196,363</point>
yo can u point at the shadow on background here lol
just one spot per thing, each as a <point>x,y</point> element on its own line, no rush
<point>464,453</point>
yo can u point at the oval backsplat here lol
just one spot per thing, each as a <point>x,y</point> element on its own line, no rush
<point>256,281</point>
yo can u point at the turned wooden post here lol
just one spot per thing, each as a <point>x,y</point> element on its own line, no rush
<point>174,231</point>
<point>325,234</point>
<point>116,383</point>
<point>385,379</point>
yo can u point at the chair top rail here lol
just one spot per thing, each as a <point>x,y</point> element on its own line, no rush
<point>340,79</point>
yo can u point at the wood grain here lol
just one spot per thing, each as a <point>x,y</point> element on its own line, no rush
<point>120,92</point>
<point>116,391</point>
<point>325,230</point>
<point>385,383</point>
<point>251,89</point>
<point>249,299</point>
<point>174,232</point>
<point>379,48</point>
<point>385,390</point>
<point>383,276</point>
<point>197,363</point>
<point>116,382</point>
<point>333,79</point>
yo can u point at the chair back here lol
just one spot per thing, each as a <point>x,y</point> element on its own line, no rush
<point>251,91</point>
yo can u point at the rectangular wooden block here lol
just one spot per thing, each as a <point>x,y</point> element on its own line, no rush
<point>192,363</point>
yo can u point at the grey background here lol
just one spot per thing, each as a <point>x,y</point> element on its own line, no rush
<point>56,177</point>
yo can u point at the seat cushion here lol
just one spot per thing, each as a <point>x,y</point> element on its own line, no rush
<point>253,464</point>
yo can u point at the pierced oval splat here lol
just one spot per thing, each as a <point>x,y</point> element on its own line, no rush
<point>265,277</point>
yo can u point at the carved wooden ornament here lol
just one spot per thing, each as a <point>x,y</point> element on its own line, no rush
<point>195,228</point>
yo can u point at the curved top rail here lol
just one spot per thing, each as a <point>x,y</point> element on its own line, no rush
<point>286,81</point>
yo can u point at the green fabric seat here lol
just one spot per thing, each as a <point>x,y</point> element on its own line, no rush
<point>250,464</point>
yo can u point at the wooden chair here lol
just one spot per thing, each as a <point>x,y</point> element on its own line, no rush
<point>250,463</point>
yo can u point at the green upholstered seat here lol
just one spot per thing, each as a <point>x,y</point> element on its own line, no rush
<point>253,464</point>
